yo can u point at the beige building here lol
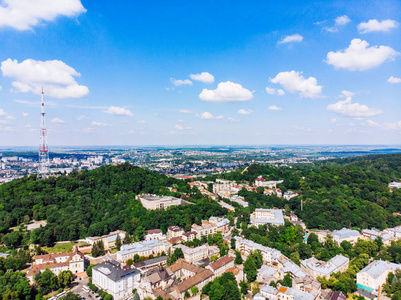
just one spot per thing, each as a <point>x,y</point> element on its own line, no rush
<point>221,265</point>
<point>109,240</point>
<point>263,216</point>
<point>205,228</point>
<point>223,185</point>
<point>318,268</point>
<point>174,231</point>
<point>69,261</point>
<point>195,254</point>
<point>158,202</point>
<point>144,248</point>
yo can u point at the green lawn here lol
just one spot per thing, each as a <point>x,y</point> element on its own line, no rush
<point>60,247</point>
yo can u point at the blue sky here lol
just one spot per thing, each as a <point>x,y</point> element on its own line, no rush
<point>204,72</point>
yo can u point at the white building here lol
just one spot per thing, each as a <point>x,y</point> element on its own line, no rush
<point>373,234</point>
<point>109,240</point>
<point>346,234</point>
<point>114,280</point>
<point>263,216</point>
<point>375,274</point>
<point>269,255</point>
<point>158,202</point>
<point>155,234</point>
<point>194,254</point>
<point>223,185</point>
<point>282,293</point>
<point>316,268</point>
<point>174,231</point>
<point>289,194</point>
<point>221,265</point>
<point>394,185</point>
<point>145,248</point>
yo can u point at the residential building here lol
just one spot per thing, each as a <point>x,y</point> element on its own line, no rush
<point>158,278</point>
<point>109,240</point>
<point>152,202</point>
<point>395,232</point>
<point>183,269</point>
<point>338,296</point>
<point>222,224</point>
<point>394,185</point>
<point>115,280</point>
<point>199,280</point>
<point>269,255</point>
<point>221,265</point>
<point>195,254</point>
<point>346,234</point>
<point>266,274</point>
<point>260,181</point>
<point>263,216</point>
<point>223,185</point>
<point>239,200</point>
<point>155,234</point>
<point>375,275</point>
<point>150,263</point>
<point>316,268</point>
<point>58,262</point>
<point>205,228</point>
<point>189,236</point>
<point>321,234</point>
<point>283,292</point>
<point>144,248</point>
<point>174,231</point>
<point>289,195</point>
<point>373,234</point>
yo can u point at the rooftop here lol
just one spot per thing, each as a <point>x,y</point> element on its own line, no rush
<point>113,271</point>
<point>378,267</point>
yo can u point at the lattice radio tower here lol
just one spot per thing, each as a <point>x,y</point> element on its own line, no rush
<point>43,168</point>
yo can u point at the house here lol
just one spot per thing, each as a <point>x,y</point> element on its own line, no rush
<point>144,248</point>
<point>267,274</point>
<point>174,231</point>
<point>150,263</point>
<point>373,234</point>
<point>152,202</point>
<point>263,216</point>
<point>108,240</point>
<point>318,268</point>
<point>115,280</point>
<point>199,280</point>
<point>221,265</point>
<point>183,269</point>
<point>269,255</point>
<point>395,232</point>
<point>260,181</point>
<point>223,185</point>
<point>346,234</point>
<point>195,254</point>
<point>338,296</point>
<point>289,195</point>
<point>222,224</point>
<point>205,228</point>
<point>189,236</point>
<point>155,234</point>
<point>283,292</point>
<point>375,275</point>
<point>159,278</point>
<point>58,262</point>
<point>394,185</point>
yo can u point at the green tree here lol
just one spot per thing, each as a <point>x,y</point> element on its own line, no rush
<point>89,271</point>
<point>250,269</point>
<point>71,296</point>
<point>46,282</point>
<point>118,243</point>
<point>64,278</point>
<point>238,258</point>
<point>194,290</point>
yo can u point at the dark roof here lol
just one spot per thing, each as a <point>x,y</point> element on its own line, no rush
<point>112,270</point>
<point>338,296</point>
<point>154,231</point>
<point>152,261</point>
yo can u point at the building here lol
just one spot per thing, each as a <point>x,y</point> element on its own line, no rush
<point>395,232</point>
<point>158,278</point>
<point>375,275</point>
<point>269,255</point>
<point>316,268</point>
<point>221,265</point>
<point>222,224</point>
<point>183,269</point>
<point>189,236</point>
<point>338,296</point>
<point>195,254</point>
<point>223,185</point>
<point>174,231</point>
<point>115,280</point>
<point>263,216</point>
<point>260,181</point>
<point>199,280</point>
<point>58,262</point>
<point>239,200</point>
<point>158,202</point>
<point>289,195</point>
<point>267,274</point>
<point>394,185</point>
<point>346,234</point>
<point>205,228</point>
<point>373,234</point>
<point>150,263</point>
<point>109,240</point>
<point>321,234</point>
<point>155,234</point>
<point>283,292</point>
<point>144,248</point>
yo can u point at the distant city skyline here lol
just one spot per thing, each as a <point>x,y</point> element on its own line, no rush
<point>201,73</point>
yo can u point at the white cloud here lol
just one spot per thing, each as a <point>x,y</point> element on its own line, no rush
<point>204,77</point>
<point>386,126</point>
<point>119,111</point>
<point>141,122</point>
<point>1,87</point>
<point>294,38</point>
<point>301,128</point>
<point>273,91</point>
<point>56,77</point>
<point>180,121</point>
<point>100,124</point>
<point>226,92</point>
<point>4,122</point>
<point>359,56</point>
<point>3,113</point>
<point>185,111</point>
<point>333,121</point>
<point>178,82</point>
<point>231,119</point>
<point>374,25</point>
<point>393,79</point>
<point>178,127</point>
<point>25,14</point>
<point>81,117</point>
<point>245,112</point>
<point>24,114</point>
<point>346,94</point>
<point>274,107</point>
<point>338,22</point>
<point>208,115</point>
<point>57,121</point>
<point>349,109</point>
<point>294,82</point>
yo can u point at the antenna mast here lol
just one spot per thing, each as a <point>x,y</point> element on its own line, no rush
<point>43,168</point>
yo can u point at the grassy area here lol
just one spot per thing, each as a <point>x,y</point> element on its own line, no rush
<point>60,247</point>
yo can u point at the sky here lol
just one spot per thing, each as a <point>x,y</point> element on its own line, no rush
<point>200,72</point>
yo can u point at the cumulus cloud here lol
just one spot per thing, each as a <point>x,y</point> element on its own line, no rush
<point>100,124</point>
<point>81,117</point>
<point>333,121</point>
<point>338,22</point>
<point>226,92</point>
<point>208,115</point>
<point>294,38</point>
<point>375,25</point>
<point>1,87</point>
<point>185,111</point>
<point>274,107</point>
<point>56,77</point>
<point>273,91</point>
<point>360,57</point>
<point>393,79</point>
<point>57,121</point>
<point>119,111</point>
<point>294,82</point>
<point>25,14</point>
<point>349,109</point>
<point>346,94</point>
<point>231,119</point>
<point>6,115</point>
<point>245,112</point>
<point>178,82</point>
<point>204,77</point>
<point>386,126</point>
